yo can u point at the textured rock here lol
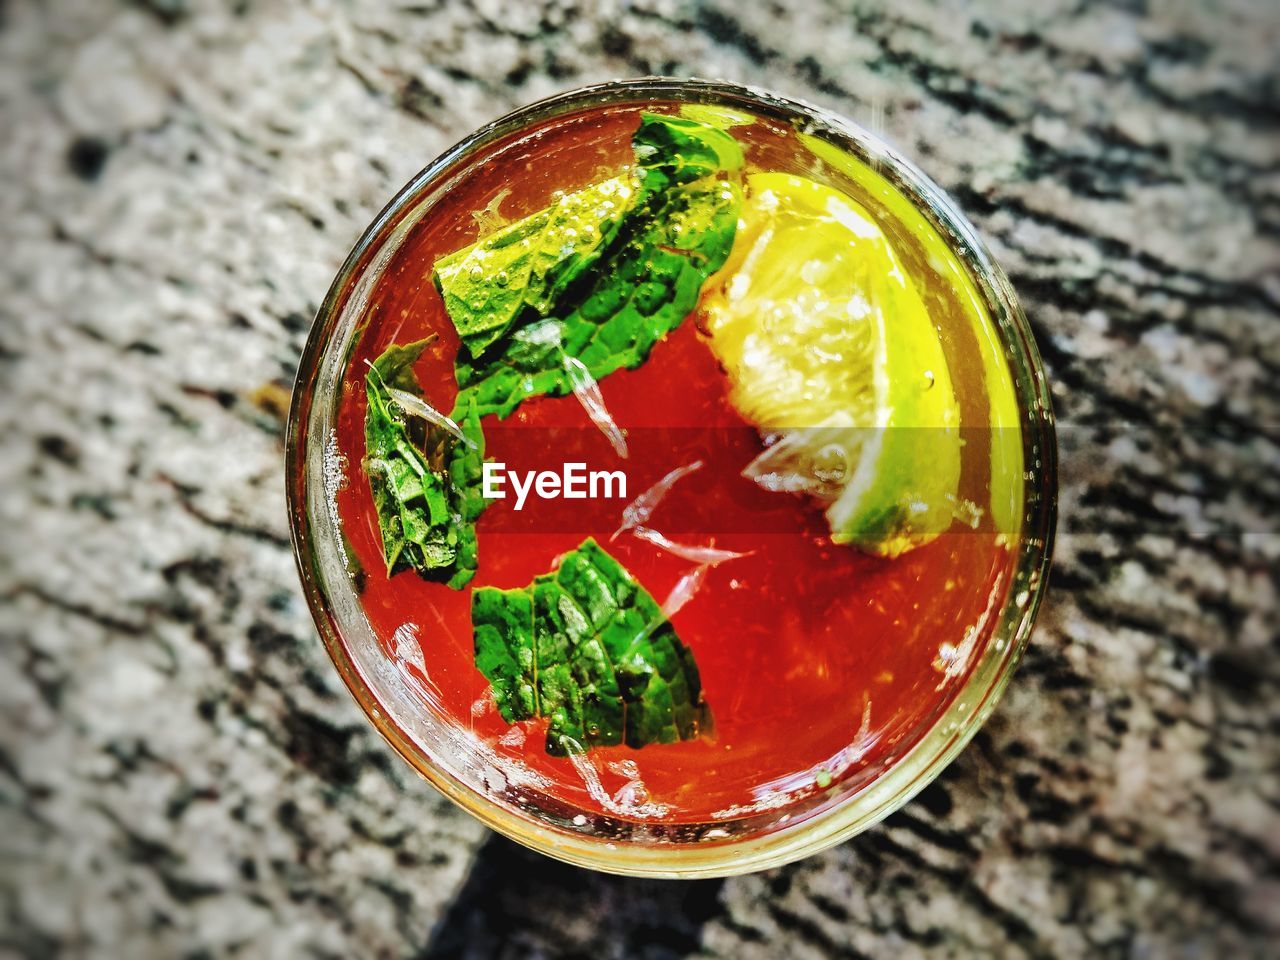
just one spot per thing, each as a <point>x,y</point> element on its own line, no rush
<point>179,768</point>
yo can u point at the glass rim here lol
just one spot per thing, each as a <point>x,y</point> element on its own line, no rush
<point>970,705</point>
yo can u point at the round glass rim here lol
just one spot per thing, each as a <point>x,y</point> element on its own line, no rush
<point>970,705</point>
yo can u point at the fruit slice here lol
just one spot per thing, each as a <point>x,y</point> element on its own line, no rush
<point>831,353</point>
<point>1004,418</point>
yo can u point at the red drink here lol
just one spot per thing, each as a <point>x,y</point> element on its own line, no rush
<point>822,664</point>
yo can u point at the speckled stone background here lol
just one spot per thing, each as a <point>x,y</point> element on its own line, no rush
<point>181,774</point>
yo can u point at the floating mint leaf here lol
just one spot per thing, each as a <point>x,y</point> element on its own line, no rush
<point>609,301</point>
<point>588,648</point>
<point>526,267</point>
<point>465,468</point>
<point>680,150</point>
<point>424,513</point>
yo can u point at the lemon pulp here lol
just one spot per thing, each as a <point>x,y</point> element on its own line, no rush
<point>831,353</point>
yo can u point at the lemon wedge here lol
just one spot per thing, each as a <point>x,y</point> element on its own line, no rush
<point>1004,414</point>
<point>831,353</point>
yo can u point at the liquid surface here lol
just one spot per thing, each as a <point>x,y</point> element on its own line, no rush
<point>820,664</point>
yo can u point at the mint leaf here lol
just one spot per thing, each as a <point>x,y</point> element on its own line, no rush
<point>679,150</point>
<point>465,468</point>
<point>677,215</point>
<point>394,368</point>
<point>588,648</point>
<point>424,516</point>
<point>528,265</point>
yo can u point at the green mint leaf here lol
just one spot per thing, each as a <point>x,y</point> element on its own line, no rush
<point>465,468</point>
<point>680,150</point>
<point>395,366</point>
<point>607,307</point>
<point>526,267</point>
<point>588,648</point>
<point>423,515</point>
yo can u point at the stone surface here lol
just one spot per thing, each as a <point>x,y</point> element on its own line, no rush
<point>180,772</point>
